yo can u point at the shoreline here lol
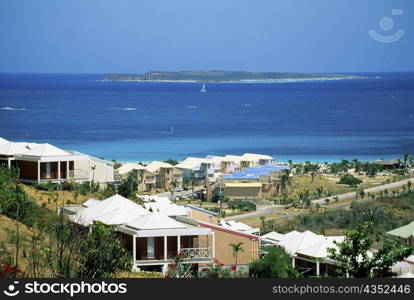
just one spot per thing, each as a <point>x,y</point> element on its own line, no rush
<point>279,80</point>
<point>281,159</point>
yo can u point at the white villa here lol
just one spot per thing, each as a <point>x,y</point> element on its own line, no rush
<point>152,237</point>
<point>45,162</point>
<point>309,251</point>
<point>254,160</point>
<point>200,168</point>
<point>156,175</point>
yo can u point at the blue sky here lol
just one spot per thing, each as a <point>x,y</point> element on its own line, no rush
<point>99,36</point>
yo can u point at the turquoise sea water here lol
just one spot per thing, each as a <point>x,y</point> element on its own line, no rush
<point>318,120</point>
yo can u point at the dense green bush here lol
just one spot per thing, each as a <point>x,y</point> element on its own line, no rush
<point>102,253</point>
<point>276,264</point>
<point>14,202</point>
<point>349,180</point>
<point>46,186</point>
<point>242,205</point>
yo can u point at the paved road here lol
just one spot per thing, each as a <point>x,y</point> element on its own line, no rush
<point>274,208</point>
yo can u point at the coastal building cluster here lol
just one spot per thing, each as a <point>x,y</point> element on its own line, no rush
<point>245,176</point>
<point>157,231</point>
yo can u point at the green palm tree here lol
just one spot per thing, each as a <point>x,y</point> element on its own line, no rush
<point>405,155</point>
<point>236,248</point>
<point>284,182</point>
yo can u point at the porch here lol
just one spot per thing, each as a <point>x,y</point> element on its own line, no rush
<point>54,169</point>
<point>160,248</point>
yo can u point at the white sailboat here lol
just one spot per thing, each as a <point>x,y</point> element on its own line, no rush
<point>203,89</point>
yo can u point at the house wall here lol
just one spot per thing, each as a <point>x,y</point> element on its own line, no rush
<point>203,217</point>
<point>103,172</point>
<point>187,173</point>
<point>223,250</point>
<point>242,192</point>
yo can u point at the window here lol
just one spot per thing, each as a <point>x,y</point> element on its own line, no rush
<point>150,247</point>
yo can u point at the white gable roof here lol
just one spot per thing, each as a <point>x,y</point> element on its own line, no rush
<point>238,226</point>
<point>46,150</point>
<point>90,202</point>
<point>128,167</point>
<point>3,141</point>
<point>193,163</point>
<point>301,241</point>
<point>215,159</point>
<point>155,220</point>
<point>157,199</point>
<point>172,210</point>
<point>168,209</point>
<point>156,165</point>
<point>319,250</point>
<point>13,148</point>
<point>233,158</point>
<point>255,157</point>
<point>274,236</point>
<point>114,210</point>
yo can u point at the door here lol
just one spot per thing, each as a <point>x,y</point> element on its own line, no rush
<point>150,247</point>
<point>48,170</point>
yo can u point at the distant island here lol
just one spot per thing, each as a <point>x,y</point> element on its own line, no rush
<point>222,76</point>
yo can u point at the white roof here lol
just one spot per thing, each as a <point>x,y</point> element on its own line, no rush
<point>255,157</point>
<point>319,250</point>
<point>215,159</point>
<point>128,167</point>
<point>233,158</point>
<point>114,210</point>
<point>193,163</point>
<point>157,199</point>
<point>172,210</point>
<point>292,233</point>
<point>3,141</point>
<point>155,220</point>
<point>46,150</point>
<point>13,148</point>
<point>275,236</point>
<point>168,209</point>
<point>238,226</point>
<point>305,243</point>
<point>156,165</point>
<point>301,241</point>
<point>90,202</point>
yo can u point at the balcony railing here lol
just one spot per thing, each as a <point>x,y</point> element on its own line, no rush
<point>191,253</point>
<point>78,174</point>
<point>118,177</point>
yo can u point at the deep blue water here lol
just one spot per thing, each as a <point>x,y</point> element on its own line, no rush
<point>319,120</point>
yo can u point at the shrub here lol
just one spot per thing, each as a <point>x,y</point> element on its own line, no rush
<point>276,264</point>
<point>14,202</point>
<point>102,253</point>
<point>242,205</point>
<point>349,180</point>
<point>46,186</point>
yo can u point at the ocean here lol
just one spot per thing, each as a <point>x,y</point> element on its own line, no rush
<point>326,120</point>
